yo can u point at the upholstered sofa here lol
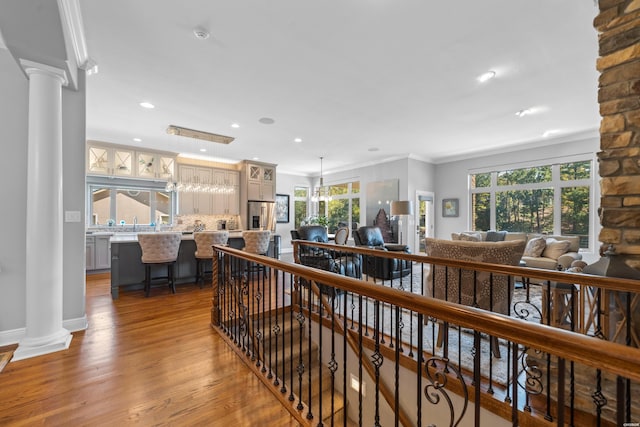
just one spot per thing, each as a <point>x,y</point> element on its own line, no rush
<point>542,251</point>
<point>380,267</point>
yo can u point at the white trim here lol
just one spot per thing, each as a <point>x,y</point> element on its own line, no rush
<point>73,29</point>
<point>30,67</point>
<point>12,336</point>
<point>76,325</point>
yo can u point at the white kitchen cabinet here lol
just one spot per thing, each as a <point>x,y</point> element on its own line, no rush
<point>98,253</point>
<point>227,203</point>
<point>102,253</point>
<point>261,182</point>
<point>112,161</point>
<point>155,165</point>
<point>195,202</point>
<point>90,253</point>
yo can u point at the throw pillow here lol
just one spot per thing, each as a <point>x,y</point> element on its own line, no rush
<point>535,247</point>
<point>495,236</point>
<point>471,236</point>
<point>555,248</point>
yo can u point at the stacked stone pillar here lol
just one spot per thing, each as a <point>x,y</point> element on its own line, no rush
<point>618,24</point>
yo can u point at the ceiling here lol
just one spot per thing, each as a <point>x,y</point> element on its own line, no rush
<point>359,81</point>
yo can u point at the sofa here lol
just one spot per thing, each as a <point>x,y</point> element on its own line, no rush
<point>551,252</point>
<point>380,267</point>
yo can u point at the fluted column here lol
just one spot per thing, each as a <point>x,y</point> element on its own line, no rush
<point>44,233</point>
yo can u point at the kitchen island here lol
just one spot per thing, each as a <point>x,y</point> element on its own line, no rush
<point>127,270</point>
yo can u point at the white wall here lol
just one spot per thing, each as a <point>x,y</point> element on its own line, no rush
<point>452,181</point>
<point>285,184</point>
<point>13,174</point>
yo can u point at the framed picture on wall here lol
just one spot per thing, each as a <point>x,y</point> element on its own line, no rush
<point>450,207</point>
<point>282,208</point>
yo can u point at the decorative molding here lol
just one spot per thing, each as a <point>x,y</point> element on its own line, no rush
<point>31,66</point>
<point>13,336</point>
<point>73,29</point>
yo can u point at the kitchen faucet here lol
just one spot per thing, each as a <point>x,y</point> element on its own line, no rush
<point>135,222</point>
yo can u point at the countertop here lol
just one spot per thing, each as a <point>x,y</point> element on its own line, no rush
<point>133,237</point>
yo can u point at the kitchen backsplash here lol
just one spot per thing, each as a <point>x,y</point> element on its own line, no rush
<point>210,222</point>
<point>180,223</point>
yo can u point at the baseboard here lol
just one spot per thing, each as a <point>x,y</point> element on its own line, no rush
<point>13,336</point>
<point>77,324</point>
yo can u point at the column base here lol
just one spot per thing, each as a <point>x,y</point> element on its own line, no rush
<point>32,347</point>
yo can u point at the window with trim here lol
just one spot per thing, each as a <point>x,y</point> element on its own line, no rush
<point>300,204</point>
<point>551,199</point>
<point>140,201</point>
<point>342,207</point>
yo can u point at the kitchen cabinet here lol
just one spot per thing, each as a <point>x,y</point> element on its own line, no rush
<point>90,253</point>
<point>102,253</point>
<point>228,202</point>
<point>195,202</point>
<point>102,160</point>
<point>260,181</point>
<point>122,161</point>
<point>155,165</point>
<point>98,252</point>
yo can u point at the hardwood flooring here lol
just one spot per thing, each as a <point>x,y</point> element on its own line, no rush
<point>143,361</point>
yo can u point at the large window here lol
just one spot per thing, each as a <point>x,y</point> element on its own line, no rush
<point>553,199</point>
<point>300,204</point>
<point>342,206</point>
<point>138,202</point>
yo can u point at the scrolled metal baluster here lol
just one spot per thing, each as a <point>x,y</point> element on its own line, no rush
<point>438,383</point>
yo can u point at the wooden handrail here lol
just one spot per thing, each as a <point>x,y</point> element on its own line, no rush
<point>605,355</point>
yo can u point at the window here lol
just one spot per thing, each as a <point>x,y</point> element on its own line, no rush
<point>553,199</point>
<point>300,204</point>
<point>342,207</point>
<point>144,202</point>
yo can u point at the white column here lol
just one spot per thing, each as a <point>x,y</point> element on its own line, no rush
<point>44,231</point>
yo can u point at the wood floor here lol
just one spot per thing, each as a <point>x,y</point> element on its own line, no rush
<point>143,361</point>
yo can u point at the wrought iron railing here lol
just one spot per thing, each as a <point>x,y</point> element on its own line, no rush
<point>334,348</point>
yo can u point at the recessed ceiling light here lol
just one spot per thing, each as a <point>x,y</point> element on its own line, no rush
<point>147,105</point>
<point>235,125</point>
<point>203,150</point>
<point>372,149</point>
<point>524,112</point>
<point>256,158</point>
<point>137,139</point>
<point>297,140</point>
<point>486,76</point>
<point>266,120</point>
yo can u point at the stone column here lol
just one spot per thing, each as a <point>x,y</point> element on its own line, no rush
<point>618,25</point>
<point>44,331</point>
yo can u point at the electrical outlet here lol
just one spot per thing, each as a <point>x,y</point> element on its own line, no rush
<point>71,216</point>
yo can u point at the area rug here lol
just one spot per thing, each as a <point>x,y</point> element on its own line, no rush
<point>459,351</point>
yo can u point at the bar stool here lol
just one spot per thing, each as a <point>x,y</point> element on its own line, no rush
<point>256,242</point>
<point>159,249</point>
<point>204,250</point>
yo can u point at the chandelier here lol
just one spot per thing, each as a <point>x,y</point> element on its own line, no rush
<point>321,194</point>
<point>194,185</point>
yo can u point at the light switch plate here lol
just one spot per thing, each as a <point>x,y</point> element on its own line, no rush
<point>71,216</point>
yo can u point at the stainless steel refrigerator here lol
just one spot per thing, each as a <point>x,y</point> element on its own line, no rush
<point>261,216</point>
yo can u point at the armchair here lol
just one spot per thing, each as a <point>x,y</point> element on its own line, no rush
<point>382,268</point>
<point>335,261</point>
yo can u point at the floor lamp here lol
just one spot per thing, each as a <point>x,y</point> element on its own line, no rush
<point>401,208</point>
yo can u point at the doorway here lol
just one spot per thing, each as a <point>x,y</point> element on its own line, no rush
<point>424,219</point>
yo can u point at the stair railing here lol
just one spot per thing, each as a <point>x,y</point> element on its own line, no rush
<point>435,373</point>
